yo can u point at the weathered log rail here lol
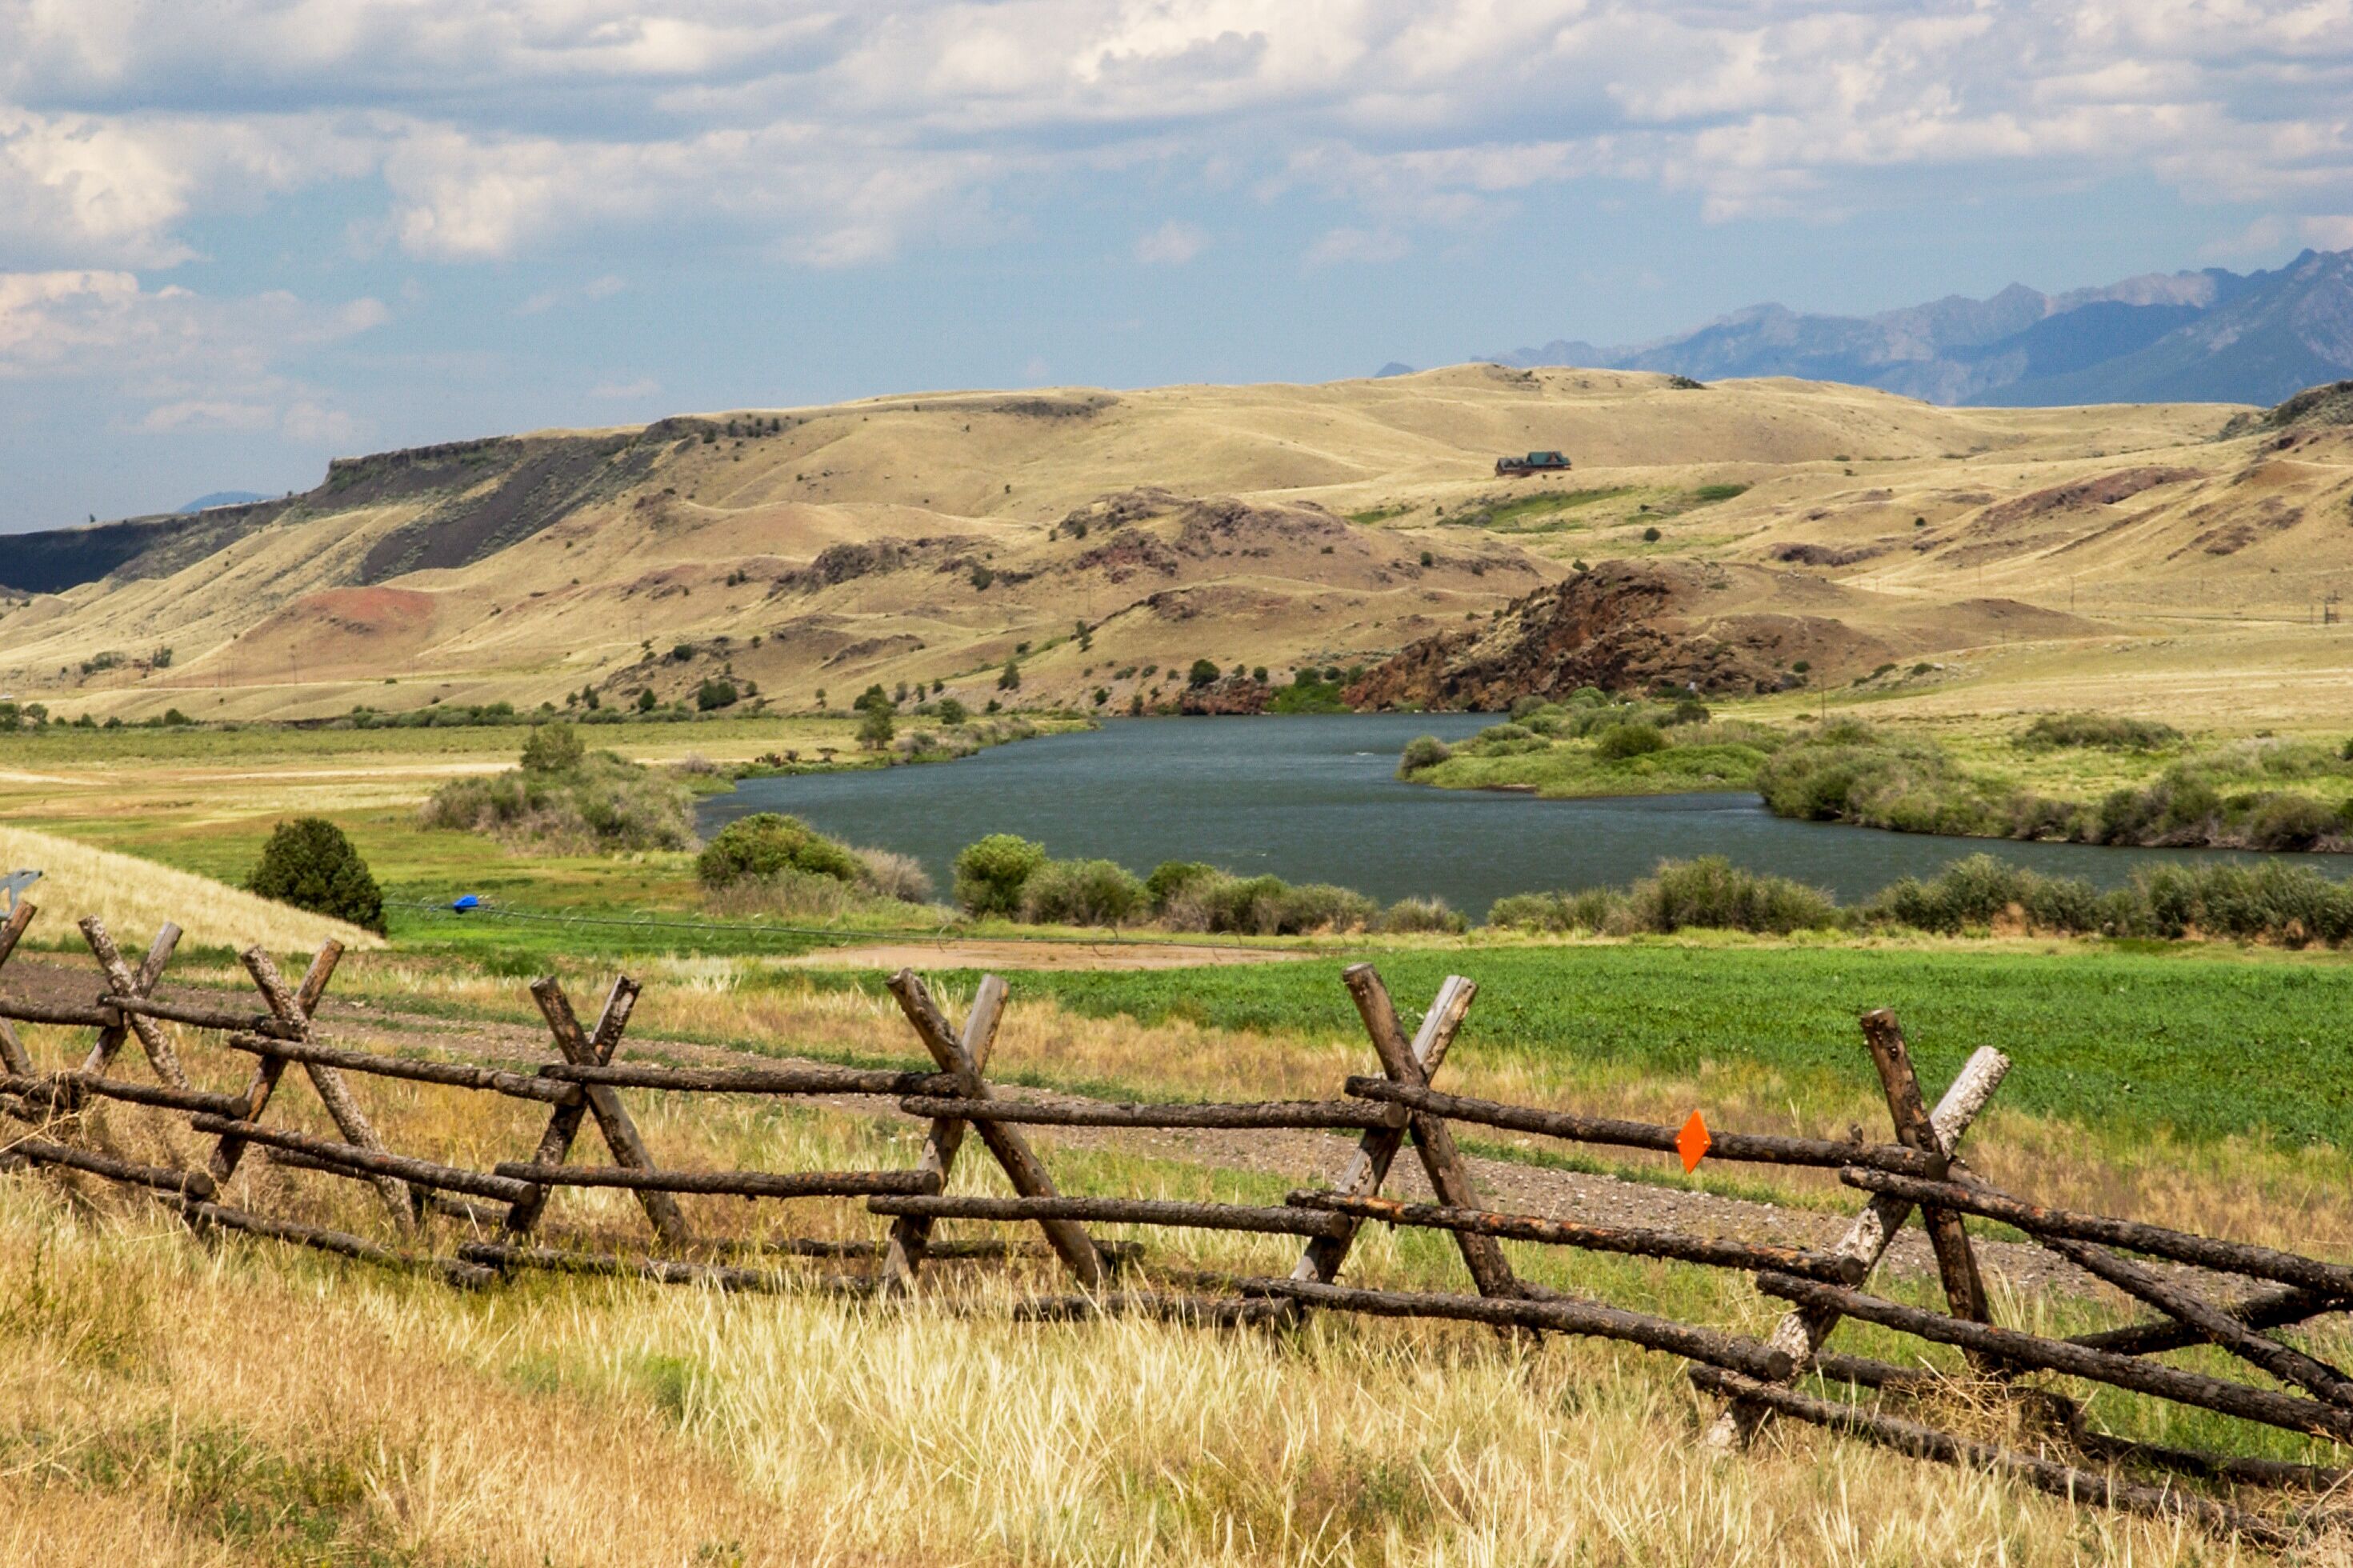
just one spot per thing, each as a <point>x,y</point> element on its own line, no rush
<point>501,1212</point>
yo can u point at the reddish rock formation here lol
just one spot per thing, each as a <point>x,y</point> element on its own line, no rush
<point>1227,694</point>
<point>1622,626</point>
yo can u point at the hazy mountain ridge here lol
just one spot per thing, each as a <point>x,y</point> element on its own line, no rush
<point>2208,336</point>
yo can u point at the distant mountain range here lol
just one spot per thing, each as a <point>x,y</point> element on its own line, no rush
<point>222,497</point>
<point>2210,336</point>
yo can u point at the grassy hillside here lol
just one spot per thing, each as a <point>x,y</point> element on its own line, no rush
<point>2076,557</point>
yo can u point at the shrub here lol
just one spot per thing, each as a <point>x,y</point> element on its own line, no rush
<point>1620,742</point>
<point>794,895</point>
<point>1422,752</point>
<point>875,731</point>
<point>1081,892</point>
<point>768,843</point>
<point>607,805</point>
<point>308,863</point>
<point>553,748</point>
<point>1317,906</point>
<point>1171,878</point>
<point>1975,891</point>
<point>1416,915</point>
<point>891,875</point>
<point>989,873</point>
<point>2114,735</point>
<point>1203,672</point>
<point>1713,892</point>
<point>953,713</point>
<point>2289,822</point>
<point>1009,677</point>
<point>716,693</point>
<point>1529,912</point>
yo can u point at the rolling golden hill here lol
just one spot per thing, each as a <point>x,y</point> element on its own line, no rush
<point>2125,557</point>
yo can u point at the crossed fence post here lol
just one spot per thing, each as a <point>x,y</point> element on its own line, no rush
<point>613,1121</point>
<point>1802,1333</point>
<point>1411,1064</point>
<point>962,1059</point>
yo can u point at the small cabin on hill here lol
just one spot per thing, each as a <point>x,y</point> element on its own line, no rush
<point>1533,463</point>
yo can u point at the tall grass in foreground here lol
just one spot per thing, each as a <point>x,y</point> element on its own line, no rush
<point>171,1403</point>
<point>131,895</point>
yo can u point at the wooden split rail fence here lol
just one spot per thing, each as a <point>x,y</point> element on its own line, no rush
<point>501,1212</point>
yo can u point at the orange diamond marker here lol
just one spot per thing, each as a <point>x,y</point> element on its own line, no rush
<point>1692,1142</point>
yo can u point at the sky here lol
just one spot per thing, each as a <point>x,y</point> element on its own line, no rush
<point>238,238</point>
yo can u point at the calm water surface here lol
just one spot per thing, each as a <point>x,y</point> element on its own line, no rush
<point>1314,799</point>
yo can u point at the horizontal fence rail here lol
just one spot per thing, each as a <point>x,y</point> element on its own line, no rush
<point>953,1101</point>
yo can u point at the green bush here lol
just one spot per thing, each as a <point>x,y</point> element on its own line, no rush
<point>2290,821</point>
<point>989,873</point>
<point>1171,878</point>
<point>1081,893</point>
<point>1422,752</point>
<point>553,748</point>
<point>607,804</point>
<point>308,863</point>
<point>1621,742</point>
<point>1203,672</point>
<point>1260,906</point>
<point>768,843</point>
<point>1714,893</point>
<point>1408,916</point>
<point>716,693</point>
<point>2096,730</point>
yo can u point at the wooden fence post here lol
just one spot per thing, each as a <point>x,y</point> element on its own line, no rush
<point>1377,1150</point>
<point>1802,1332</point>
<point>1956,1265</point>
<point>268,1069</point>
<point>911,1235</point>
<point>621,1133</point>
<point>286,1006</point>
<point>1022,1167</point>
<point>121,982</point>
<point>563,1121</point>
<point>12,1051</point>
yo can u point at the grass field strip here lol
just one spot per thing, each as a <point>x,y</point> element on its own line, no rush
<point>953,1098</point>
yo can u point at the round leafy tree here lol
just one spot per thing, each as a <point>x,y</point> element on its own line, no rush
<point>989,873</point>
<point>766,844</point>
<point>308,863</point>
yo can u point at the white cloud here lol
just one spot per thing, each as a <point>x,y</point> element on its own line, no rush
<point>546,299</point>
<point>1337,246</point>
<point>2331,232</point>
<point>837,136</point>
<point>1173,244</point>
<point>186,362</point>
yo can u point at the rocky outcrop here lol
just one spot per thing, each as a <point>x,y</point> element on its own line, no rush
<point>1623,625</point>
<point>2103,489</point>
<point>1228,694</point>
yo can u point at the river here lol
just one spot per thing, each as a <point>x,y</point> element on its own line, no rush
<point>1314,799</point>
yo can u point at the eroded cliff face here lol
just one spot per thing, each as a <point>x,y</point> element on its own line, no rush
<point>1623,625</point>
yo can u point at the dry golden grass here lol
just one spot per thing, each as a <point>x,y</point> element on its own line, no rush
<point>135,898</point>
<point>176,1401</point>
<point>176,1404</point>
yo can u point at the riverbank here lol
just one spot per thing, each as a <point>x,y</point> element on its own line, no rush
<point>2073,779</point>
